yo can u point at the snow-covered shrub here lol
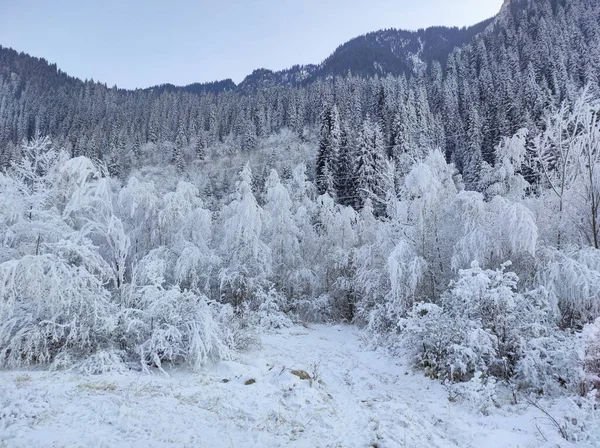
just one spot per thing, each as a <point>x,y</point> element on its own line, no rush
<point>314,310</point>
<point>483,324</point>
<point>239,327</point>
<point>591,354</point>
<point>176,213</point>
<point>445,346</point>
<point>549,364</point>
<point>36,170</point>
<point>174,326</point>
<point>194,267</point>
<point>389,272</point>
<point>564,158</point>
<point>103,361</point>
<point>580,418</point>
<point>270,313</point>
<point>49,306</point>
<point>479,393</point>
<point>13,208</point>
<point>68,292</point>
<point>573,280</point>
<point>552,361</point>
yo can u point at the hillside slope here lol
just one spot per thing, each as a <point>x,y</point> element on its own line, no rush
<point>359,399</point>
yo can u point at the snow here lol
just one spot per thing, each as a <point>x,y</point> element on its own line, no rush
<point>358,398</point>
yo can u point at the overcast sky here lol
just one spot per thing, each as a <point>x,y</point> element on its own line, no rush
<point>140,43</point>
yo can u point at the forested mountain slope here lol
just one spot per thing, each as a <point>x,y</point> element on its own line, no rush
<point>381,53</point>
<point>533,55</point>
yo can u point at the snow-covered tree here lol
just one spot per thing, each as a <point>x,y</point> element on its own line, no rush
<point>375,178</point>
<point>246,257</point>
<point>282,235</point>
<point>566,157</point>
<point>91,210</point>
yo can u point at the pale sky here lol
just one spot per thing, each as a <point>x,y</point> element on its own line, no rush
<point>140,43</point>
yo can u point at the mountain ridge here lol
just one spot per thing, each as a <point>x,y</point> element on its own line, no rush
<point>383,52</point>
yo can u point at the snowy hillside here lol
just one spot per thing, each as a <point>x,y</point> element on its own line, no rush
<point>353,398</point>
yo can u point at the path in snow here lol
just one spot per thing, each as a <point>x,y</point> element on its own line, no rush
<point>360,398</point>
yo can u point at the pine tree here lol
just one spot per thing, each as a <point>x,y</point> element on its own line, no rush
<point>345,178</point>
<point>200,148</point>
<point>329,142</point>
<point>372,167</point>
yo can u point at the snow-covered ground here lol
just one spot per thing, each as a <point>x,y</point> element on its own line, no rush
<point>358,398</point>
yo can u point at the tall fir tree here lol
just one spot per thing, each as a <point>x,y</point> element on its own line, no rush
<point>329,146</point>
